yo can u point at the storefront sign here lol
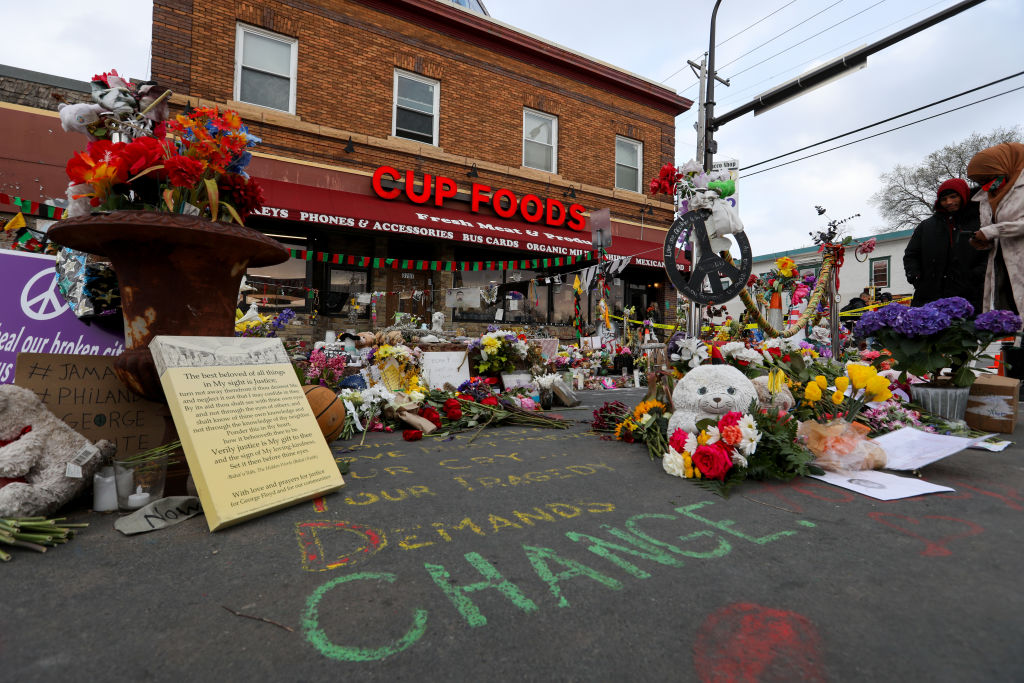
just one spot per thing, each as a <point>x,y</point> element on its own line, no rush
<point>35,318</point>
<point>437,189</point>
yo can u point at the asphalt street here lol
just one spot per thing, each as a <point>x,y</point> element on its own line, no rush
<point>535,554</point>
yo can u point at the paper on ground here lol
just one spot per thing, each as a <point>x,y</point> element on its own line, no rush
<point>911,449</point>
<point>881,485</point>
<point>994,446</point>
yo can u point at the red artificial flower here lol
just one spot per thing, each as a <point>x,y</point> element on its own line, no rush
<point>142,153</point>
<point>489,401</point>
<point>412,435</point>
<point>713,460</point>
<point>490,380</point>
<point>451,404</point>
<point>184,171</point>
<point>730,418</point>
<point>243,194</point>
<point>431,415</point>
<point>454,414</point>
<point>678,440</point>
<point>465,397</point>
<point>774,351</point>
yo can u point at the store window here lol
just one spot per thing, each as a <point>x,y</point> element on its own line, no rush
<point>879,274</point>
<point>562,301</point>
<point>265,68</point>
<point>540,141</point>
<point>347,294</point>
<point>416,104</point>
<point>629,163</point>
<point>277,287</point>
<point>526,298</point>
<point>482,298</point>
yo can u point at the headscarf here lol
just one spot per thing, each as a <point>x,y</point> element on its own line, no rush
<point>1004,159</point>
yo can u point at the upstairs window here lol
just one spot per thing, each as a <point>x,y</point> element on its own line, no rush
<point>629,163</point>
<point>265,66</point>
<point>415,108</point>
<point>879,272</point>
<point>540,141</point>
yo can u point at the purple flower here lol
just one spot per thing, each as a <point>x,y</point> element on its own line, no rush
<point>921,322</point>
<point>998,322</point>
<point>890,315</point>
<point>492,328</point>
<point>510,337</point>
<point>868,324</point>
<point>955,307</point>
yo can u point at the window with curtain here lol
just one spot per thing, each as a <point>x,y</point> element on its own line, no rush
<point>629,163</point>
<point>540,141</point>
<point>265,68</point>
<point>416,107</point>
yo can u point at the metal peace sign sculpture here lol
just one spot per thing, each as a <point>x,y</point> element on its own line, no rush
<point>712,280</point>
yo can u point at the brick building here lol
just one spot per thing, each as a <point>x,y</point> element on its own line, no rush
<point>525,138</point>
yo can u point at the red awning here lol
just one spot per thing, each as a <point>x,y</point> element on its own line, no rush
<point>325,207</point>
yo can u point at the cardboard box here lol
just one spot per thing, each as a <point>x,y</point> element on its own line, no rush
<point>992,404</point>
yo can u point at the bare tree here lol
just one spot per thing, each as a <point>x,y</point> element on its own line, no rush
<point>908,192</point>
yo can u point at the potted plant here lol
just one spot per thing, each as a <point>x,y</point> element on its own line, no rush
<point>168,212</point>
<point>926,340</point>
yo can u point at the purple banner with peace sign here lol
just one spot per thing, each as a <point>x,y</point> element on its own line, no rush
<point>34,318</point>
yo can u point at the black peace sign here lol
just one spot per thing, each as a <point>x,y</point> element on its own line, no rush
<point>705,284</point>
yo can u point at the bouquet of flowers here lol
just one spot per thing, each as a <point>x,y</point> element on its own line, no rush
<point>133,165</point>
<point>717,453</point>
<point>319,369</point>
<point>264,326</point>
<point>941,334</point>
<point>499,351</point>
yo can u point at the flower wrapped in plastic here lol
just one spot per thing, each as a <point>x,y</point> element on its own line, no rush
<point>841,446</point>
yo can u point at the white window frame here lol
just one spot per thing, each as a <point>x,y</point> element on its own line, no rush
<point>436,104</point>
<point>639,159</point>
<point>554,139</point>
<point>240,30</point>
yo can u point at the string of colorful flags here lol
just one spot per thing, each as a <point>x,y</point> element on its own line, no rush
<point>33,208</point>
<point>441,266</point>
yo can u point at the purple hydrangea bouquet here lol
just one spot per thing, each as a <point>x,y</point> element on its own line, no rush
<point>941,334</point>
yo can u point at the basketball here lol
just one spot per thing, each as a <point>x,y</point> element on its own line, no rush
<point>328,409</point>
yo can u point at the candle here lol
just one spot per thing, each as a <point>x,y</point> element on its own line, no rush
<point>636,378</point>
<point>104,491</point>
<point>138,499</point>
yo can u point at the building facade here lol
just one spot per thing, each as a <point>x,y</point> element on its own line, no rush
<point>414,147</point>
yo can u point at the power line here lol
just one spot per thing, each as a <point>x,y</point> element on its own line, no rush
<point>906,125</point>
<point>767,16</point>
<point>766,59</point>
<point>781,34</point>
<point>733,95</point>
<point>891,118</point>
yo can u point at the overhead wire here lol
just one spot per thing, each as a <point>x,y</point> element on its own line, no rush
<point>887,120</point>
<point>755,49</point>
<point>890,130</point>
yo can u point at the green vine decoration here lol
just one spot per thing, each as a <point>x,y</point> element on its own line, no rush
<point>810,314</point>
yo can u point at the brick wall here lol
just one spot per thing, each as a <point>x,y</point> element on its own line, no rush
<point>347,53</point>
<point>31,89</point>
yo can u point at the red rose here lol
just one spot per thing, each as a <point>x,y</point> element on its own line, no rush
<point>712,460</point>
<point>678,440</point>
<point>491,380</point>
<point>412,435</point>
<point>451,404</point>
<point>431,415</point>
<point>489,401</point>
<point>774,352</point>
<point>142,153</point>
<point>183,171</point>
<point>454,414</point>
<point>730,418</point>
<point>466,397</point>
<point>243,193</point>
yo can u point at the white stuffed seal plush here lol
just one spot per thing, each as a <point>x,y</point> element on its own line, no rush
<point>709,391</point>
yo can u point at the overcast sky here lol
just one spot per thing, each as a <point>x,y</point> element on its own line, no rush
<point>654,40</point>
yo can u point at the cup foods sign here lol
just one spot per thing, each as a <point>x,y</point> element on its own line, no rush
<point>437,189</point>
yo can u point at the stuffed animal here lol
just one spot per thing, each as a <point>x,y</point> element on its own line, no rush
<point>783,399</point>
<point>709,391</point>
<point>80,118</point>
<point>35,450</point>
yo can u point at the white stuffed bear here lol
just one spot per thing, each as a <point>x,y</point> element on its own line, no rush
<point>35,449</point>
<point>709,391</point>
<point>79,118</point>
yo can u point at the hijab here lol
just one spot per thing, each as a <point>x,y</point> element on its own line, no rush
<point>1006,159</point>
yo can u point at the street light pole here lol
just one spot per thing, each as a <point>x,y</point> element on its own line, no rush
<point>710,146</point>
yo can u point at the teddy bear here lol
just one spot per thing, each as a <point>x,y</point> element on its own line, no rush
<point>783,399</point>
<point>709,391</point>
<point>35,450</point>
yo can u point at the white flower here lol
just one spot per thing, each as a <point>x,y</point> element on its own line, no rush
<point>646,418</point>
<point>787,344</point>
<point>416,396</point>
<point>673,463</point>
<point>747,424</point>
<point>748,443</point>
<point>738,459</point>
<point>691,443</point>
<point>749,356</point>
<point>713,435</point>
<point>730,349</point>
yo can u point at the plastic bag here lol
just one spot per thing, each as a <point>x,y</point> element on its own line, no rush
<point>841,446</point>
<point>87,283</point>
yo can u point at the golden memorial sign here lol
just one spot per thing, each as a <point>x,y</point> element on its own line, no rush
<point>252,443</point>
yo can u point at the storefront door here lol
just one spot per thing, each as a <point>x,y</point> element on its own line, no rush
<point>408,292</point>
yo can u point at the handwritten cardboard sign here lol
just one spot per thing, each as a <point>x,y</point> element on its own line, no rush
<point>444,367</point>
<point>85,393</point>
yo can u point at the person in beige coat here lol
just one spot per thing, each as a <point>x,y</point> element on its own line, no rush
<point>1001,198</point>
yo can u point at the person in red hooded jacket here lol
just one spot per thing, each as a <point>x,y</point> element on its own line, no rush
<point>939,261</point>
